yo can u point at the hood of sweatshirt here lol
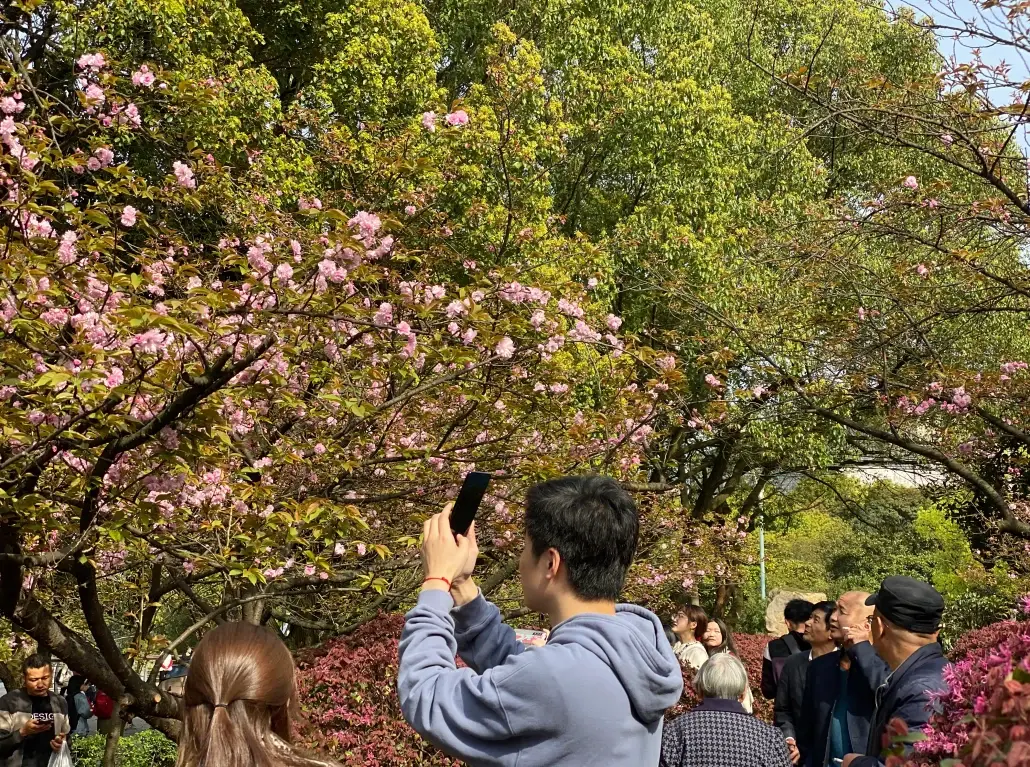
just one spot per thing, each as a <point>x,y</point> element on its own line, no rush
<point>632,643</point>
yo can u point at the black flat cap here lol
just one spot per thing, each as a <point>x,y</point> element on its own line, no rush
<point>909,604</point>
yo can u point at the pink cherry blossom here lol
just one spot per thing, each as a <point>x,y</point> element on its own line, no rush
<point>947,139</point>
<point>410,210</point>
<point>505,348</point>
<point>143,77</point>
<point>429,121</point>
<point>115,377</point>
<point>283,272</point>
<point>184,175</point>
<point>128,218</point>
<point>11,106</point>
<point>319,449</point>
<point>911,183</point>
<point>460,117</point>
<point>713,382</point>
<point>104,156</point>
<point>613,323</point>
<point>91,61</point>
<point>922,270</point>
<point>66,253</point>
<point>361,549</point>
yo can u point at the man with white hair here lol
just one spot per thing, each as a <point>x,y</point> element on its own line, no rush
<point>719,731</point>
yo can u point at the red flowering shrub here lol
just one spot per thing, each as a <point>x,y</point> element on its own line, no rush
<point>983,718</point>
<point>750,648</point>
<point>348,691</point>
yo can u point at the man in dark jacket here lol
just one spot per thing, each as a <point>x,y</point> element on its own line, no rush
<point>839,699</point>
<point>904,631</point>
<point>790,690</point>
<point>33,720</point>
<point>796,615</point>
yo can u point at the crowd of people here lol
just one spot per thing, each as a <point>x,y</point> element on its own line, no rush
<point>595,692</point>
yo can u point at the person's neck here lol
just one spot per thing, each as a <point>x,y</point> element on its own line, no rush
<point>823,648</point>
<point>685,637</point>
<point>569,607</point>
<point>896,654</point>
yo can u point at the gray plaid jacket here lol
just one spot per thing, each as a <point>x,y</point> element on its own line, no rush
<point>720,733</point>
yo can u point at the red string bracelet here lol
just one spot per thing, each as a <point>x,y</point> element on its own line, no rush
<point>436,578</point>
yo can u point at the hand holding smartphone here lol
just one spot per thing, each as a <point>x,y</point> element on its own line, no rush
<point>463,513</point>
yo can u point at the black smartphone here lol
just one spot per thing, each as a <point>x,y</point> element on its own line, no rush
<point>467,504</point>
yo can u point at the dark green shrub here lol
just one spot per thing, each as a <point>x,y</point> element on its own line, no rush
<point>145,749</point>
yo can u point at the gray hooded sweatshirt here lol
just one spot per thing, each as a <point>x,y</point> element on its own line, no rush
<point>594,695</point>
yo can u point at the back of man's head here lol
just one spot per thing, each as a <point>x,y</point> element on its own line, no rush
<point>721,676</point>
<point>592,523</point>
<point>796,614</point>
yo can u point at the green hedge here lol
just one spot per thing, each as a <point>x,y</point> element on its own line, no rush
<point>145,749</point>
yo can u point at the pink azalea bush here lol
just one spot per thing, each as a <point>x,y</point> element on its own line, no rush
<point>983,719</point>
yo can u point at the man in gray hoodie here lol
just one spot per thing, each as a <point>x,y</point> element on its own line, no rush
<point>595,694</point>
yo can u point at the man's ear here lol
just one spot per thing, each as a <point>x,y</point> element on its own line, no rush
<point>553,563</point>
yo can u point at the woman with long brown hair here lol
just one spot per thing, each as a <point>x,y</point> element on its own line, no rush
<point>239,699</point>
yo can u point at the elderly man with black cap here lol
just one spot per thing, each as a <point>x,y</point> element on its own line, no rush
<point>905,624</point>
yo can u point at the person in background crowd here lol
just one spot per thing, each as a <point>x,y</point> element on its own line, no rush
<point>790,690</point>
<point>839,697</point>
<point>905,627</point>
<point>689,625</point>
<point>719,732</point>
<point>718,639</point>
<point>796,615</point>
<point>79,711</point>
<point>595,694</point>
<point>239,699</point>
<point>33,720</point>
<point>103,709</point>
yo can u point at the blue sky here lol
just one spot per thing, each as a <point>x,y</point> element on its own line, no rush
<point>966,9</point>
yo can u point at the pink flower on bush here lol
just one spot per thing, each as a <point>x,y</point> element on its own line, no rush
<point>143,77</point>
<point>66,253</point>
<point>115,377</point>
<point>91,61</point>
<point>505,348</point>
<point>429,121</point>
<point>454,119</point>
<point>911,183</point>
<point>410,210</point>
<point>55,317</point>
<point>104,156</point>
<point>128,218</point>
<point>184,175</point>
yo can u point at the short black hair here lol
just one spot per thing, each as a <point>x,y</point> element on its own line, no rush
<point>36,660</point>
<point>826,608</point>
<point>798,610</point>
<point>592,522</point>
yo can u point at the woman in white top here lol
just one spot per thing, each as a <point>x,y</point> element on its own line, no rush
<point>689,625</point>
